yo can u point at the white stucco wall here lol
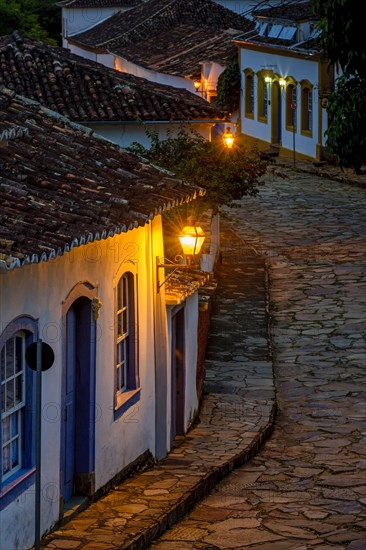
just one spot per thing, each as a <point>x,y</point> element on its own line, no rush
<point>299,69</point>
<point>80,51</point>
<point>39,291</point>
<point>78,20</point>
<point>125,134</point>
<point>124,66</point>
<point>210,73</point>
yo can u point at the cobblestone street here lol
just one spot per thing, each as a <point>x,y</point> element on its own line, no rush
<point>306,489</point>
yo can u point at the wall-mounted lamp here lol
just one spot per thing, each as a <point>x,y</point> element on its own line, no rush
<point>228,138</point>
<point>191,238</point>
<point>267,79</point>
<point>282,82</point>
<point>197,84</point>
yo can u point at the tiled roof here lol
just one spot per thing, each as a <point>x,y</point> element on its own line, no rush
<point>179,51</point>
<point>99,3</point>
<point>84,90</point>
<point>182,284</point>
<point>61,186</point>
<point>156,16</point>
<point>289,11</point>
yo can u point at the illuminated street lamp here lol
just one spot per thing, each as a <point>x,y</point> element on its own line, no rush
<point>197,84</point>
<point>228,138</point>
<point>191,239</point>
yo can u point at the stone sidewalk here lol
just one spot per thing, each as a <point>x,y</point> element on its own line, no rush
<point>236,416</point>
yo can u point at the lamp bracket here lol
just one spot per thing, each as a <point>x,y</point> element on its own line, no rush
<point>168,264</point>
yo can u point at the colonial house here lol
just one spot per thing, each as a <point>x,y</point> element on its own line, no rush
<point>188,42</point>
<point>80,233</point>
<point>285,82</point>
<point>118,106</point>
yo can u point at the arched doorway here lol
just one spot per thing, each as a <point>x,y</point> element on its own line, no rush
<point>276,121</point>
<point>78,400</point>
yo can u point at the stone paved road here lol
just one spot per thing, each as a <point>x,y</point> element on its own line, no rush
<point>307,488</point>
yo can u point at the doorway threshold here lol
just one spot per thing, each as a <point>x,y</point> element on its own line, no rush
<point>73,506</point>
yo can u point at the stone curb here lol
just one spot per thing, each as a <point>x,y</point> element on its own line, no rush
<point>201,489</point>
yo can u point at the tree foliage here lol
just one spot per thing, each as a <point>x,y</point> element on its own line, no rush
<point>342,34</point>
<point>229,86</point>
<point>346,135</point>
<point>40,20</point>
<point>226,174</point>
<point>342,41</point>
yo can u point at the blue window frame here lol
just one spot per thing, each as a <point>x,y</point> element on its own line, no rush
<point>306,108</point>
<point>126,359</point>
<point>17,449</point>
<point>249,94</point>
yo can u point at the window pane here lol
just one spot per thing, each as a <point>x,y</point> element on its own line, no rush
<point>125,284</point>
<point>15,423</point>
<point>119,325</point>
<point>6,459</point>
<point>6,429</point>
<point>120,377</point>
<point>119,295</point>
<point>18,389</point>
<point>2,398</point>
<point>120,352</point>
<point>10,394</point>
<point>10,344</point>
<point>18,354</point>
<point>125,321</point>
<point>2,363</point>
<point>15,453</point>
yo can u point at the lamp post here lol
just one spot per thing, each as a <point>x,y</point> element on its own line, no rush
<point>191,239</point>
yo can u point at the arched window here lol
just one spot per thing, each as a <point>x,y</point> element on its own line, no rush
<point>306,108</point>
<point>249,93</point>
<point>16,401</point>
<point>291,104</point>
<point>126,357</point>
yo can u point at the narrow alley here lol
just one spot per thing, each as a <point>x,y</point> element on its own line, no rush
<point>306,489</point>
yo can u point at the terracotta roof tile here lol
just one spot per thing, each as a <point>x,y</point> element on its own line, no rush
<point>293,11</point>
<point>159,16</point>
<point>99,3</point>
<point>84,90</point>
<point>179,51</point>
<point>62,186</point>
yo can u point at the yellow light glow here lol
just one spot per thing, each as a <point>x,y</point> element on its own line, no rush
<point>191,239</point>
<point>282,82</point>
<point>197,84</point>
<point>228,138</point>
<point>268,79</point>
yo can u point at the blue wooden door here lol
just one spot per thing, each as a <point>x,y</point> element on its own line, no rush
<point>279,119</point>
<point>69,405</point>
<point>78,430</point>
